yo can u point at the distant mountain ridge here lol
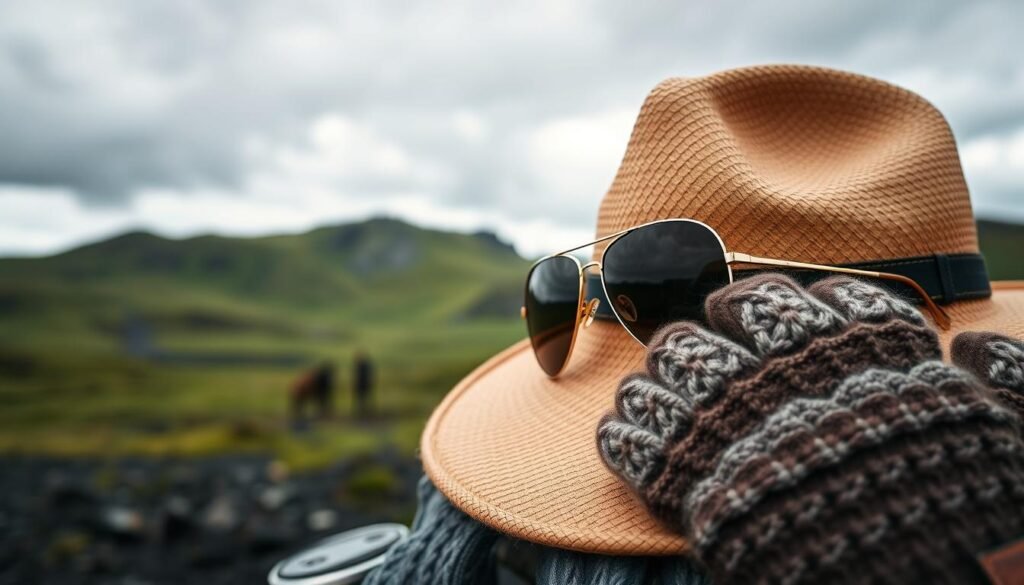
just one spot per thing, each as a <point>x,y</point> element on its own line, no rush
<point>374,270</point>
<point>379,270</point>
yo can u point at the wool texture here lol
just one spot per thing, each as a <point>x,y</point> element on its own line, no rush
<point>562,567</point>
<point>447,547</point>
<point>995,359</point>
<point>814,435</point>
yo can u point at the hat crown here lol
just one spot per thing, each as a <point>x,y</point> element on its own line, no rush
<point>803,163</point>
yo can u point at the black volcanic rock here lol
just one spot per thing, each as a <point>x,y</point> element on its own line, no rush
<point>149,522</point>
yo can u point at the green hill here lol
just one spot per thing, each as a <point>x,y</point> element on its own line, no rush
<point>324,268</point>
<point>379,272</point>
<point>1003,246</point>
<point>145,344</point>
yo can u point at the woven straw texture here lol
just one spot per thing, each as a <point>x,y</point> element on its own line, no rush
<point>777,158</point>
<point>791,162</point>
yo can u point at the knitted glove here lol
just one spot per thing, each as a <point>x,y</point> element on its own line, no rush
<point>995,359</point>
<point>813,436</point>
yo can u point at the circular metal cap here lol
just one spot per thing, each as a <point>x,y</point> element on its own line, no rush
<point>341,559</point>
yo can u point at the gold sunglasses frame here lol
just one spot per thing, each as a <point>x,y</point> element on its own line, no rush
<point>586,309</point>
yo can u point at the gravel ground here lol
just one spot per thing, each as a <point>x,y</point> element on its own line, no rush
<point>222,520</point>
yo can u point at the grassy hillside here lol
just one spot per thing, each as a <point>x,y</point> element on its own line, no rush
<point>1003,246</point>
<point>380,272</point>
<point>141,344</point>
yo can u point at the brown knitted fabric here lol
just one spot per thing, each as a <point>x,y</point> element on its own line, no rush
<point>816,437</point>
<point>814,372</point>
<point>867,495</point>
<point>995,359</point>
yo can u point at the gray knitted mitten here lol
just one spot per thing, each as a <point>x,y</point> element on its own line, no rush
<point>814,436</point>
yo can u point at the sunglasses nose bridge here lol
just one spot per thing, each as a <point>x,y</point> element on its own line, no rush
<point>588,309</point>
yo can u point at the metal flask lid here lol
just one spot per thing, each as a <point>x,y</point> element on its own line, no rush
<point>340,559</point>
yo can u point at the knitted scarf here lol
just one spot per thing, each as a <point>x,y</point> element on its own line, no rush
<point>447,547</point>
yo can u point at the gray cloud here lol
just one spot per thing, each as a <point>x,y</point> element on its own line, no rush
<point>110,99</point>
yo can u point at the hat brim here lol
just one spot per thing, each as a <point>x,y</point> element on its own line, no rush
<point>516,450</point>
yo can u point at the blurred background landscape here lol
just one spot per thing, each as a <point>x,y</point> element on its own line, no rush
<point>145,390</point>
<point>142,345</point>
<point>201,201</point>
<point>144,383</point>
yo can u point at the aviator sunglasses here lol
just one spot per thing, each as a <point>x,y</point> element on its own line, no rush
<point>652,274</point>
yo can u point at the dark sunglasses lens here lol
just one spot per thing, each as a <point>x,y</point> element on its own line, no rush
<point>661,273</point>
<point>552,305</point>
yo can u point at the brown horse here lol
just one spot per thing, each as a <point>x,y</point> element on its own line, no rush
<point>316,385</point>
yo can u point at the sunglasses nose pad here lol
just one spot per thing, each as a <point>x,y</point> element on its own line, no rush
<point>589,310</point>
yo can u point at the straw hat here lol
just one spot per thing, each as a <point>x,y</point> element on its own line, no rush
<point>791,162</point>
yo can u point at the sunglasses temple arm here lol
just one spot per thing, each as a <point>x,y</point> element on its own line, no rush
<point>940,316</point>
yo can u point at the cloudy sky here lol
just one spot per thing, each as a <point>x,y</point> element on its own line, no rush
<point>257,117</point>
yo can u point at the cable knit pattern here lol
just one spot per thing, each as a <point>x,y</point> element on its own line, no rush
<point>1006,372</point>
<point>814,436</point>
<point>860,301</point>
<point>1007,367</point>
<point>814,372</point>
<point>857,399</point>
<point>891,477</point>
<point>723,497</point>
<point>774,316</point>
<point>696,364</point>
<point>995,359</point>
